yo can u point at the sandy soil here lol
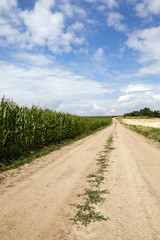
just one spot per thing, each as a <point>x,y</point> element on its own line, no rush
<point>153,122</point>
<point>36,204</point>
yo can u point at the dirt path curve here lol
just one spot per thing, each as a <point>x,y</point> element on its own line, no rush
<point>35,200</point>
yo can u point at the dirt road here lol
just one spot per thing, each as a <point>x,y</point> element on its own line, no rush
<point>35,199</point>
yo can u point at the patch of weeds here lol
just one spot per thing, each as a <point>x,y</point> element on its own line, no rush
<point>101,171</point>
<point>96,180</point>
<point>93,195</point>
<point>87,214</point>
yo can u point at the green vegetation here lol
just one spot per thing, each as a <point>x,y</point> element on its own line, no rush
<point>146,112</point>
<point>152,133</point>
<point>93,194</point>
<point>99,118</point>
<point>25,130</point>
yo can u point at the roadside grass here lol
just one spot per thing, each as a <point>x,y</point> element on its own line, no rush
<point>99,118</point>
<point>149,132</point>
<point>39,152</point>
<point>152,133</point>
<point>93,195</point>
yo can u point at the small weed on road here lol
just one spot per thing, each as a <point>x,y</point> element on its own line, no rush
<point>93,195</point>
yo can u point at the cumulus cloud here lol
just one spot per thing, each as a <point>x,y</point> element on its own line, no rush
<point>34,59</point>
<point>46,86</point>
<point>9,23</point>
<point>99,54</point>
<point>136,88</point>
<point>72,10</point>
<point>150,99</point>
<point>109,3</point>
<point>91,1</point>
<point>134,91</point>
<point>156,96</point>
<point>138,96</point>
<point>147,7</point>
<point>47,28</point>
<point>152,69</point>
<point>115,20</point>
<point>101,8</point>
<point>124,98</point>
<point>83,108</point>
<point>146,41</point>
<point>132,1</point>
<point>77,26</point>
<point>42,26</point>
<point>6,5</point>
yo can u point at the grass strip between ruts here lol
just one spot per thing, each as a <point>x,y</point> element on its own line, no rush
<point>93,195</point>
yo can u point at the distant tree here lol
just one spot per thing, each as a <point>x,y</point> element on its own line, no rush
<point>136,113</point>
<point>146,112</point>
<point>156,114</point>
<point>143,112</point>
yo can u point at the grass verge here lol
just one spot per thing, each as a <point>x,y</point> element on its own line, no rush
<point>93,195</point>
<point>152,133</point>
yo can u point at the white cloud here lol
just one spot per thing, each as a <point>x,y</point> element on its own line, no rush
<point>45,3</point>
<point>11,34</point>
<point>99,54</point>
<point>109,3</point>
<point>124,98</point>
<point>136,88</point>
<point>77,26</point>
<point>115,20</point>
<point>141,10</point>
<point>91,1</point>
<point>132,101</point>
<point>146,42</point>
<point>98,108</point>
<point>9,22</point>
<point>72,10</point>
<point>6,5</point>
<point>134,91</point>
<point>101,8</point>
<point>46,86</point>
<point>91,21</point>
<point>34,59</point>
<point>40,26</point>
<point>156,96</point>
<point>132,1</point>
<point>152,69</point>
<point>147,7</point>
<point>139,98</point>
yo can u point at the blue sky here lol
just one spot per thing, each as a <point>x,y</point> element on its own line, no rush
<point>85,57</point>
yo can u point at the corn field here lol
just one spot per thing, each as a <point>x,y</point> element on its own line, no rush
<point>24,129</point>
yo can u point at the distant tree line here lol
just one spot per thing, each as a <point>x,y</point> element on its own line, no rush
<point>143,112</point>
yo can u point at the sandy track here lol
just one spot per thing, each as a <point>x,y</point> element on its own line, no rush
<point>37,206</point>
